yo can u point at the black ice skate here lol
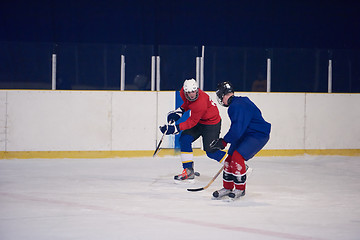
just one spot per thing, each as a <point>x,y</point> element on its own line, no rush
<point>237,193</point>
<point>221,193</point>
<point>187,174</point>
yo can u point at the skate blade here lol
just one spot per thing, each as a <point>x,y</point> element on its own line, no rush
<point>226,199</point>
<point>184,182</point>
<point>219,198</point>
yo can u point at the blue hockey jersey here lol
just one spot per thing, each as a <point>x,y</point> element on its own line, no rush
<point>249,132</point>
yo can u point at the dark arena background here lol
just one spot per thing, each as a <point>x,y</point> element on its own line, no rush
<point>89,36</point>
<point>85,86</point>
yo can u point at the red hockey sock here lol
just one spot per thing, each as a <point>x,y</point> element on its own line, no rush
<point>238,168</point>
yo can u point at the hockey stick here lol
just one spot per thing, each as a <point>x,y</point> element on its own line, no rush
<point>158,146</point>
<point>211,181</point>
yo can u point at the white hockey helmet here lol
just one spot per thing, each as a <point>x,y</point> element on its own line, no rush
<point>190,85</point>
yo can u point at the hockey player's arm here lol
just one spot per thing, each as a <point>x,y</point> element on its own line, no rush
<point>189,123</point>
<point>194,119</point>
<point>175,115</point>
<point>169,129</point>
<point>240,119</point>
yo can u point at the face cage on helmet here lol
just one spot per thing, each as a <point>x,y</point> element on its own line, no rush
<point>192,100</point>
<point>219,99</point>
<point>221,92</point>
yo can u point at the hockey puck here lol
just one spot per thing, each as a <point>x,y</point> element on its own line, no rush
<point>197,174</point>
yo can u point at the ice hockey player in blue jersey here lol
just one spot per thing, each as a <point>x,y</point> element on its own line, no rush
<point>248,134</point>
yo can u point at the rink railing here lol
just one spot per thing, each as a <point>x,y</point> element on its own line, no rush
<point>90,66</point>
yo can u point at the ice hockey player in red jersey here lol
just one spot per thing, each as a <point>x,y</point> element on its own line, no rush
<point>248,134</point>
<point>204,121</point>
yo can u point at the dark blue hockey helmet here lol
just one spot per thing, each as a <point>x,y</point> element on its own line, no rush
<point>223,89</point>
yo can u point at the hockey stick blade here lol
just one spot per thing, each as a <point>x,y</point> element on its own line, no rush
<point>157,148</point>
<point>211,181</point>
<point>195,189</point>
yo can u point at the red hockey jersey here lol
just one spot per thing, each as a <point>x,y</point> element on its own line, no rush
<point>203,110</point>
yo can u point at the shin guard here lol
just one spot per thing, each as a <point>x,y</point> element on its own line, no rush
<point>228,179</point>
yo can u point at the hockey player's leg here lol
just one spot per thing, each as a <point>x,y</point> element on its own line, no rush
<point>210,133</point>
<point>228,180</point>
<point>239,169</point>
<point>186,158</point>
<point>188,167</point>
<point>187,173</point>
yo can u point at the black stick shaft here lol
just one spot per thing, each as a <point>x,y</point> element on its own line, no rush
<point>159,144</point>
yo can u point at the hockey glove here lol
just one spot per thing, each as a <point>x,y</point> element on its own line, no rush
<point>218,144</point>
<point>173,116</point>
<point>170,129</point>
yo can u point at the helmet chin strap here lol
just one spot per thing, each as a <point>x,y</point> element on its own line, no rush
<point>229,101</point>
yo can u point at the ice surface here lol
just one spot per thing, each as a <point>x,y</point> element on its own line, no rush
<point>301,197</point>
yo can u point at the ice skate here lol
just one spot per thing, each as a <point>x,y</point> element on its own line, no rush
<point>221,193</point>
<point>237,193</point>
<point>187,174</point>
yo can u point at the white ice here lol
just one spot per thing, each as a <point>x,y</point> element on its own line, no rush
<point>302,197</point>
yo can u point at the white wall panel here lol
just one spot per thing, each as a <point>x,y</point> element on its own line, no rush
<point>58,120</point>
<point>3,120</point>
<point>134,120</point>
<point>123,120</point>
<point>285,112</point>
<point>332,121</point>
<point>165,103</point>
